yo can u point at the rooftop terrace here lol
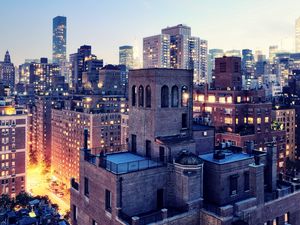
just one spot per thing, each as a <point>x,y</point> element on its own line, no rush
<point>230,157</point>
<point>124,162</point>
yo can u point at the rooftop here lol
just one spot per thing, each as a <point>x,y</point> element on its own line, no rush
<point>126,162</point>
<point>230,157</point>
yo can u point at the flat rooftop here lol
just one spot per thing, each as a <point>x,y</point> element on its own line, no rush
<point>125,162</point>
<point>230,157</point>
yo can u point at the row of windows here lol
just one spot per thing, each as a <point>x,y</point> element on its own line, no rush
<point>165,95</point>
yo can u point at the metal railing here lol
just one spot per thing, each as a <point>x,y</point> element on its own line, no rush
<point>132,166</point>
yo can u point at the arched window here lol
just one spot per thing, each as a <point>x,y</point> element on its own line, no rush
<point>141,96</point>
<point>133,95</point>
<point>165,96</point>
<point>184,96</point>
<point>148,96</point>
<point>175,96</point>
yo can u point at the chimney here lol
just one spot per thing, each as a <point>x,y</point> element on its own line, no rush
<point>271,166</point>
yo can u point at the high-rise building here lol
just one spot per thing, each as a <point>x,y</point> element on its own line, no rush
<point>297,35</point>
<point>126,56</point>
<point>156,51</point>
<point>7,72</point>
<point>176,48</point>
<point>233,52</point>
<point>213,54</point>
<point>273,49</point>
<point>59,39</point>
<point>84,69</point>
<point>13,148</point>
<point>247,67</point>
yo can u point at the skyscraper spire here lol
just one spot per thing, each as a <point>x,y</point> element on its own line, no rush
<point>7,57</point>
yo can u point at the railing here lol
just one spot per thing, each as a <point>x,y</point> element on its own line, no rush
<point>131,166</point>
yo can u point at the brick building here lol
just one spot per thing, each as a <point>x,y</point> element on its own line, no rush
<point>101,115</point>
<point>239,116</point>
<point>162,181</point>
<point>13,147</point>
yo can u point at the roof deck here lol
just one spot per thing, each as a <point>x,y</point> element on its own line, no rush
<point>125,162</point>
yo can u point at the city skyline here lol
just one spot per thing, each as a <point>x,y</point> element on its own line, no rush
<point>128,28</point>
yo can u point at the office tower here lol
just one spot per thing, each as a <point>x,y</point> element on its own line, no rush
<point>156,51</point>
<point>126,56</point>
<point>100,115</point>
<point>248,67</point>
<point>59,39</point>
<point>7,72</point>
<point>13,148</point>
<point>273,49</point>
<point>176,48</point>
<point>83,62</point>
<point>233,52</point>
<point>237,115</point>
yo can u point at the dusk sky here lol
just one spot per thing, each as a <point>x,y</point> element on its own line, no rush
<point>26,26</point>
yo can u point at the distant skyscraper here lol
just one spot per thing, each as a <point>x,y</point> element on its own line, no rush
<point>176,48</point>
<point>248,66</point>
<point>213,54</point>
<point>156,51</point>
<point>126,56</point>
<point>7,72</point>
<point>59,40</point>
<point>297,35</point>
<point>233,52</point>
<point>273,49</point>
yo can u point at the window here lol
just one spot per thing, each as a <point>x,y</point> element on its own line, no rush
<point>148,96</point>
<point>164,96</point>
<point>184,120</point>
<point>223,67</point>
<point>161,153</point>
<point>94,223</point>
<point>107,200</point>
<point>133,95</point>
<point>258,120</point>
<point>246,181</point>
<point>184,96</point>
<point>148,148</point>
<point>86,187</point>
<point>133,143</point>
<point>236,67</point>
<point>141,96</point>
<point>174,96</point>
<point>266,119</point>
<point>233,184</point>
<point>74,213</point>
<point>211,99</point>
<point>250,120</point>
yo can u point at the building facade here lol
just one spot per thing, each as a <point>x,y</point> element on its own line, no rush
<point>59,39</point>
<point>7,72</point>
<point>126,56</point>
<point>13,150</point>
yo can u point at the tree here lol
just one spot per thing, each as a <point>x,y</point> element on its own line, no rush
<point>5,202</point>
<point>23,199</point>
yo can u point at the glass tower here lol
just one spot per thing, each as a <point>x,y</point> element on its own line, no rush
<point>59,40</point>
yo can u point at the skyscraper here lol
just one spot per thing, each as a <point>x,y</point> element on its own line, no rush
<point>297,35</point>
<point>273,49</point>
<point>126,56</point>
<point>248,66</point>
<point>176,48</point>
<point>59,40</point>
<point>7,72</point>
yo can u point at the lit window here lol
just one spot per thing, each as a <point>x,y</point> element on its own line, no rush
<point>258,120</point>
<point>208,109</point>
<point>236,120</point>
<point>201,98</point>
<point>238,99</point>
<point>250,120</point>
<point>229,99</point>
<point>211,98</point>
<point>228,120</point>
<point>266,119</point>
<point>222,100</point>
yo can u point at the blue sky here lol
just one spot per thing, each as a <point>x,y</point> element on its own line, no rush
<point>26,25</point>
